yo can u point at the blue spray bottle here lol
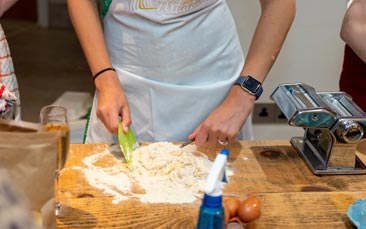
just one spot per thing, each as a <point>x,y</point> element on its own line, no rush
<point>211,214</point>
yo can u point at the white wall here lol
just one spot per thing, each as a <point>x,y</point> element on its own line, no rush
<point>312,53</point>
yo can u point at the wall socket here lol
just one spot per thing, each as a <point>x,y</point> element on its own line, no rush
<point>279,117</point>
<point>268,113</point>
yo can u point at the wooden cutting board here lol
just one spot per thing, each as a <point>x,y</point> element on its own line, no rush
<point>291,196</point>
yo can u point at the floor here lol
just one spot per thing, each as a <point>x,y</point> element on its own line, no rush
<point>47,63</point>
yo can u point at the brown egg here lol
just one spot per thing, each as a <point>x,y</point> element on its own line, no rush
<point>226,213</point>
<point>250,209</point>
<point>233,206</point>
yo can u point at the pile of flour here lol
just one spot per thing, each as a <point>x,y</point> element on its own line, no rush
<point>160,172</point>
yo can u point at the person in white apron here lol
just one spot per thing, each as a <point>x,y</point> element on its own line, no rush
<point>169,66</point>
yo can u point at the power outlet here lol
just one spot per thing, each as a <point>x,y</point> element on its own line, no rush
<point>279,117</point>
<point>268,113</point>
<point>264,113</point>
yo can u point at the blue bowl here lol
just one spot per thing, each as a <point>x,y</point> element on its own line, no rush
<point>357,213</point>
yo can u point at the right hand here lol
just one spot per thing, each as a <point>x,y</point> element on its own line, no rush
<point>112,102</point>
<point>5,5</point>
<point>226,121</point>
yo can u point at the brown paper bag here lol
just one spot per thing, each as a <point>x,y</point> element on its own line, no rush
<point>14,213</point>
<point>20,126</point>
<point>29,155</point>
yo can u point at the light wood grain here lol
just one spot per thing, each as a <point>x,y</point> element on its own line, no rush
<point>291,196</point>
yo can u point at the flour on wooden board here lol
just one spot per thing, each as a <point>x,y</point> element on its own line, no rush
<point>160,172</point>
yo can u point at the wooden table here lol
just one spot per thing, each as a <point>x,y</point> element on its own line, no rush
<point>291,196</point>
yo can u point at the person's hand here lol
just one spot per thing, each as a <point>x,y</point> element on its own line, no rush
<point>5,5</point>
<point>112,102</point>
<point>224,123</point>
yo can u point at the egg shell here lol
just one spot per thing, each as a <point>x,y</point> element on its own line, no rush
<point>233,206</point>
<point>249,209</point>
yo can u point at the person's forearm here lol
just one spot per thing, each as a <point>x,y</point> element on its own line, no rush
<point>86,22</point>
<point>353,30</point>
<point>273,26</point>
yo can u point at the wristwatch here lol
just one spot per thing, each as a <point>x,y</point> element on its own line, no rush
<point>250,85</point>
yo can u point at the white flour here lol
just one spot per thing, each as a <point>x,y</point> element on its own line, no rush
<point>160,173</point>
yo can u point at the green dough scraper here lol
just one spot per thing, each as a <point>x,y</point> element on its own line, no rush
<point>127,142</point>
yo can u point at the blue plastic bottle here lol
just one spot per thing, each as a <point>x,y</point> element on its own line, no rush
<point>211,214</point>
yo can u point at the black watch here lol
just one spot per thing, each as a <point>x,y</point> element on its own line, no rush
<point>250,85</point>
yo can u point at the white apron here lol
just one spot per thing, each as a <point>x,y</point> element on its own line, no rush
<point>176,60</point>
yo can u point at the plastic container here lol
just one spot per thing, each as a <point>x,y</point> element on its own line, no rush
<point>212,214</point>
<point>357,213</point>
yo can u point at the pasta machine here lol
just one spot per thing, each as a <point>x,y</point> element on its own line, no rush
<point>334,125</point>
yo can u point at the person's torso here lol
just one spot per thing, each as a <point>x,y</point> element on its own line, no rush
<point>176,60</point>
<point>187,42</point>
<point>353,76</point>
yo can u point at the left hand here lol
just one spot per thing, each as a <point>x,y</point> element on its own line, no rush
<point>224,123</point>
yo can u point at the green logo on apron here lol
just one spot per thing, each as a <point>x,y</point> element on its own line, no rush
<point>105,7</point>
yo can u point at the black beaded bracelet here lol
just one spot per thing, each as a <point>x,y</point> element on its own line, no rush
<point>104,70</point>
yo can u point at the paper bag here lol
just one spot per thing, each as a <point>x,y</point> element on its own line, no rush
<point>29,155</point>
<point>14,213</point>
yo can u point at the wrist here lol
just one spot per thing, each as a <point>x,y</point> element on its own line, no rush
<point>106,80</point>
<point>102,71</point>
<point>242,97</point>
<point>240,100</point>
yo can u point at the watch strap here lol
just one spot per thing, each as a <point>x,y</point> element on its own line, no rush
<point>250,85</point>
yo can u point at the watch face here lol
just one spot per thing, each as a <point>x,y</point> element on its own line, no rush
<point>251,84</point>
